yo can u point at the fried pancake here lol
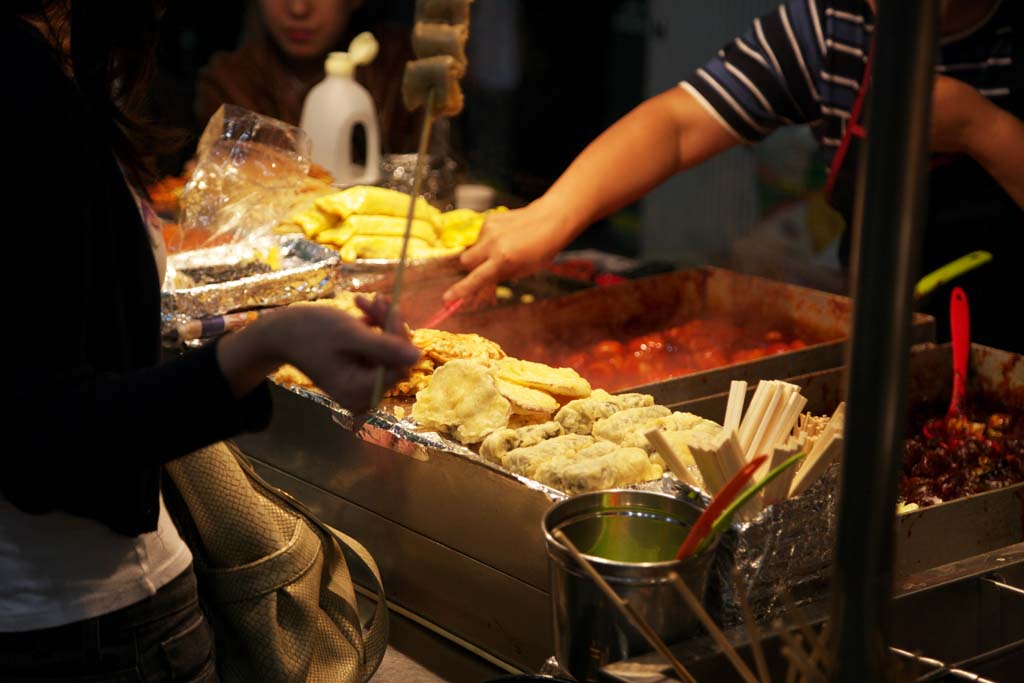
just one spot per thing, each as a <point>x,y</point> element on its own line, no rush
<point>527,401</point>
<point>560,381</point>
<point>444,346</point>
<point>463,400</point>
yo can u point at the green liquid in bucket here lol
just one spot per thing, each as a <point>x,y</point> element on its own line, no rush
<point>627,538</point>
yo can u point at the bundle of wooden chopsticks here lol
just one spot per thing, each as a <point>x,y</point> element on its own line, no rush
<point>774,424</point>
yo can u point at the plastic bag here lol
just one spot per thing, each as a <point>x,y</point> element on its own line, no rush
<point>250,171</point>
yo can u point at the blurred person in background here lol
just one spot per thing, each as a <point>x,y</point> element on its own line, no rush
<point>95,581</point>
<point>807,63</point>
<point>281,57</point>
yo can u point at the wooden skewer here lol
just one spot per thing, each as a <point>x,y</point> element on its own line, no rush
<point>716,633</point>
<point>625,608</point>
<point>797,652</point>
<point>825,448</point>
<point>734,408</point>
<point>671,458</point>
<point>753,632</point>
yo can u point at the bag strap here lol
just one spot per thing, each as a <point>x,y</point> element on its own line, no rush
<point>337,548</point>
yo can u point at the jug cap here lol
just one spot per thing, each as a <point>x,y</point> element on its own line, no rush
<point>362,50</point>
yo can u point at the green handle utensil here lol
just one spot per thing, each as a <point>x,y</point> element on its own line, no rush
<point>950,271</point>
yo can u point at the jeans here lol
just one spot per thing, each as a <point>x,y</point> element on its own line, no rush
<point>162,638</point>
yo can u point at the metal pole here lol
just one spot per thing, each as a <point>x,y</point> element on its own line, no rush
<point>887,222</point>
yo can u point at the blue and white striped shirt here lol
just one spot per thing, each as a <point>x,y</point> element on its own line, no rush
<point>804,63</point>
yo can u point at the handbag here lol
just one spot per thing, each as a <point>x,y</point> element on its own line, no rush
<point>273,578</point>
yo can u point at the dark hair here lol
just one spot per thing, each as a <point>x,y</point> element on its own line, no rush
<point>113,57</point>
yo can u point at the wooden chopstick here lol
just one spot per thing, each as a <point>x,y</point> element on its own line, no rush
<point>716,633</point>
<point>734,408</point>
<point>625,608</point>
<point>671,458</point>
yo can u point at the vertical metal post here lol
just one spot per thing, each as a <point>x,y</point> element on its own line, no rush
<point>887,222</point>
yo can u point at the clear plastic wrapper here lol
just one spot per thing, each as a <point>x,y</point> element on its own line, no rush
<point>250,171</point>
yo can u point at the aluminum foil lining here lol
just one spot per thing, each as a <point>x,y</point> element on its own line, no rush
<point>404,436</point>
<point>787,545</point>
<point>235,277</point>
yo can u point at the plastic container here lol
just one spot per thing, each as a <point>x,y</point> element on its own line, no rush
<point>335,107</point>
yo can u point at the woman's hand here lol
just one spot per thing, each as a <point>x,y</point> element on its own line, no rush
<point>338,352</point>
<point>512,245</point>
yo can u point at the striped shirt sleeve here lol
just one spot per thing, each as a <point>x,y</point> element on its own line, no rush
<point>768,77</point>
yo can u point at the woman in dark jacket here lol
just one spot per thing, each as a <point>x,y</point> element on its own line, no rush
<point>95,583</point>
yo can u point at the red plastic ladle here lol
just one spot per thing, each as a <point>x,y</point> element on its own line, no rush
<point>960,330</point>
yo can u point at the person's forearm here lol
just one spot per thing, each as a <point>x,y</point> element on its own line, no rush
<point>999,147</point>
<point>246,357</point>
<point>664,135</point>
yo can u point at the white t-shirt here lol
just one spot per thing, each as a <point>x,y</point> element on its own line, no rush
<point>58,568</point>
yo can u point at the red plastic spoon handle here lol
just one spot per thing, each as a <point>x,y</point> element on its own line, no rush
<point>960,330</point>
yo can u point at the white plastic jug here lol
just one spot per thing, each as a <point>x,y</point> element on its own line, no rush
<point>335,106</point>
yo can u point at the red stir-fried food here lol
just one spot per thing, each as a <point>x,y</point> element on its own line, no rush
<point>698,344</point>
<point>948,458</point>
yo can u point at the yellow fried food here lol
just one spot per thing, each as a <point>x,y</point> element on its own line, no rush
<point>336,237</point>
<point>527,401</point>
<point>371,247</point>
<point>525,460</point>
<point>289,375</point>
<point>463,400</point>
<point>625,422</point>
<point>416,381</point>
<point>620,467</point>
<point>559,381</point>
<point>445,346</point>
<point>312,220</point>
<point>461,227</point>
<point>498,443</point>
<point>391,226</point>
<point>365,200</point>
<point>579,416</point>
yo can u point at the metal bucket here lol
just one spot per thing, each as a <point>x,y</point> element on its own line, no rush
<point>631,538</point>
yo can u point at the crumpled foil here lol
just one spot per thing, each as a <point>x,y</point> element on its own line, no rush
<point>308,271</point>
<point>788,546</point>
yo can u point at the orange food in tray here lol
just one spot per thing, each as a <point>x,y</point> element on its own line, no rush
<point>698,344</point>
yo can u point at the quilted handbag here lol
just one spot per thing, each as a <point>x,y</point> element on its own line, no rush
<point>274,579</point>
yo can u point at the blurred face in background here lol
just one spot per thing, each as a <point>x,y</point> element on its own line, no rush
<point>306,29</point>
